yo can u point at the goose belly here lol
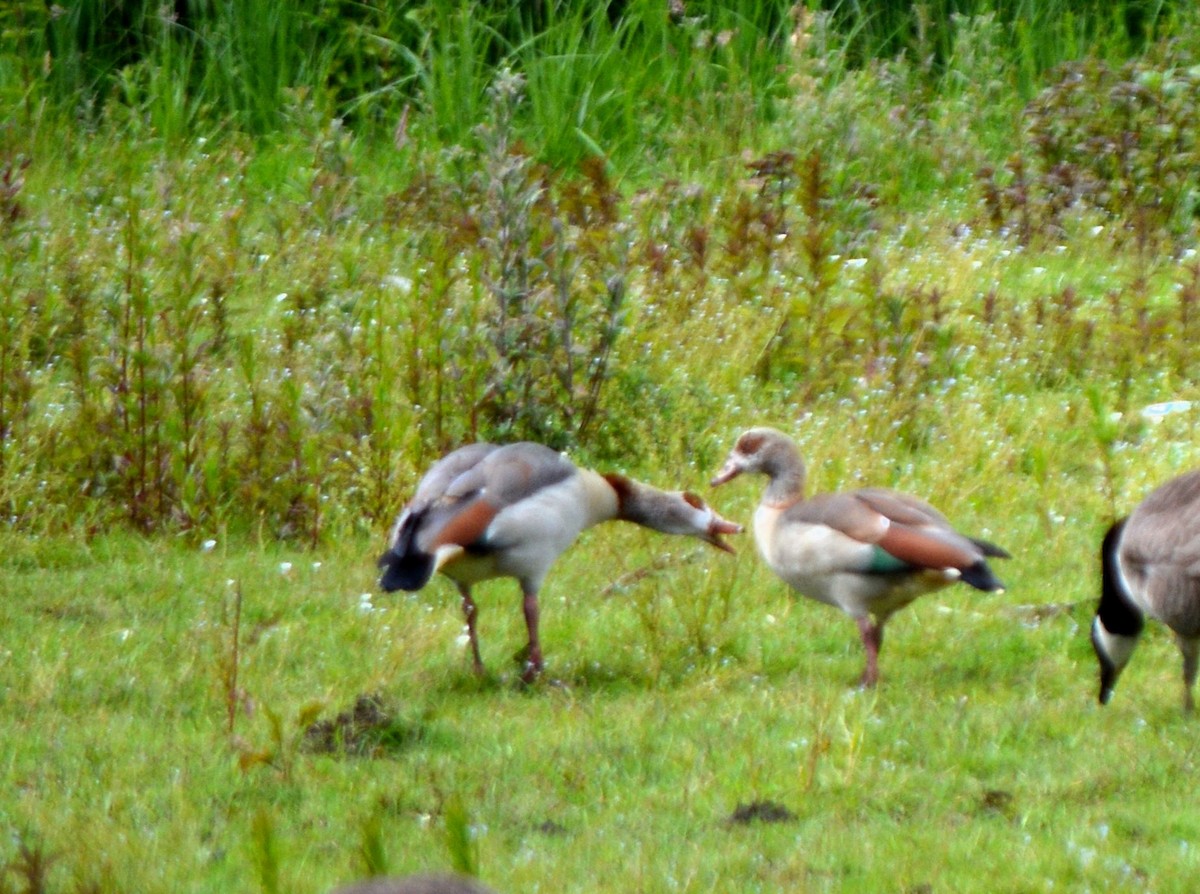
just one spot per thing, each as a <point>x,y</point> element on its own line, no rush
<point>468,568</point>
<point>861,594</point>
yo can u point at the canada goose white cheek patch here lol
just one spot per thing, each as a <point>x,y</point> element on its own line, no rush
<point>1116,648</point>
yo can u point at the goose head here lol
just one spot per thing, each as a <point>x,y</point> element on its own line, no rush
<point>701,520</point>
<point>671,512</point>
<point>766,451</point>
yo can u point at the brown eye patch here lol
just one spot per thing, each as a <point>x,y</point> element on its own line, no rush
<point>749,443</point>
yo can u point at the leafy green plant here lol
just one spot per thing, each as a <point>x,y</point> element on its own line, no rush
<point>1118,141</point>
<point>15,380</point>
<point>554,266</point>
<point>274,337</point>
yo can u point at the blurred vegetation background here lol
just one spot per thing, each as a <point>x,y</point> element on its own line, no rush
<point>263,261</point>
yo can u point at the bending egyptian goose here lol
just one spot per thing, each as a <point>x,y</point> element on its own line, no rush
<point>868,552</point>
<point>487,511</point>
<point>1150,565</point>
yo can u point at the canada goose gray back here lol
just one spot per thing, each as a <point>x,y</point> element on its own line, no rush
<point>1150,566</point>
<point>487,511</point>
<point>869,552</point>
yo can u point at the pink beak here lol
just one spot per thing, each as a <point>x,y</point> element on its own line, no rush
<point>720,526</point>
<point>728,472</point>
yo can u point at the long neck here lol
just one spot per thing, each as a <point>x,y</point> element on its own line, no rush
<point>1117,612</point>
<point>653,508</point>
<point>602,502</point>
<point>786,473</point>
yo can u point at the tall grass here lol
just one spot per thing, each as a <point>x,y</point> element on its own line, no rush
<point>601,79</point>
<point>177,70</point>
<point>276,338</point>
<point>1047,33</point>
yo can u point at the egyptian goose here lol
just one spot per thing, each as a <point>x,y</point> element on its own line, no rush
<point>417,884</point>
<point>1150,565</point>
<point>487,511</point>
<point>868,552</point>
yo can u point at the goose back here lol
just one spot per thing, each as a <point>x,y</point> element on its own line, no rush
<point>1159,555</point>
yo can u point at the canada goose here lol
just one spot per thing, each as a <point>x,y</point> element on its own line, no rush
<point>1150,565</point>
<point>486,511</point>
<point>417,884</point>
<point>869,552</point>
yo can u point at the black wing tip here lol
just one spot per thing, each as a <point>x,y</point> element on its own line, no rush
<point>409,572</point>
<point>981,577</point>
<point>991,550</point>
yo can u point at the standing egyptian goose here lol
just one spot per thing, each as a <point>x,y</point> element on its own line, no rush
<point>868,552</point>
<point>488,511</point>
<point>1150,565</point>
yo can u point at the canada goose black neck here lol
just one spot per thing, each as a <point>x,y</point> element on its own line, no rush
<point>1116,611</point>
<point>1118,622</point>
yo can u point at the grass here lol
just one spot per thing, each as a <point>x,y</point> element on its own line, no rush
<point>227,351</point>
<point>671,701</point>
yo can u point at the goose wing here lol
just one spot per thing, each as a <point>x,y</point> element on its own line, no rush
<point>1160,551</point>
<point>504,478</point>
<point>407,565</point>
<point>886,532</point>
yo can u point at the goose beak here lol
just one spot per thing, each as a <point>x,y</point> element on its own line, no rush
<point>719,526</point>
<point>729,471</point>
<point>705,523</point>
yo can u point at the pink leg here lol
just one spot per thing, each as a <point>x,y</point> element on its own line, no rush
<point>470,611</point>
<point>872,640</point>
<point>533,661</point>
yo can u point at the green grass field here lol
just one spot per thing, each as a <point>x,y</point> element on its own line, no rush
<point>673,699</point>
<point>257,273</point>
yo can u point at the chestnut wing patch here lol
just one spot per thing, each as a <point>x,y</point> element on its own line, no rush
<point>906,534</point>
<point>927,548</point>
<point>464,526</point>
